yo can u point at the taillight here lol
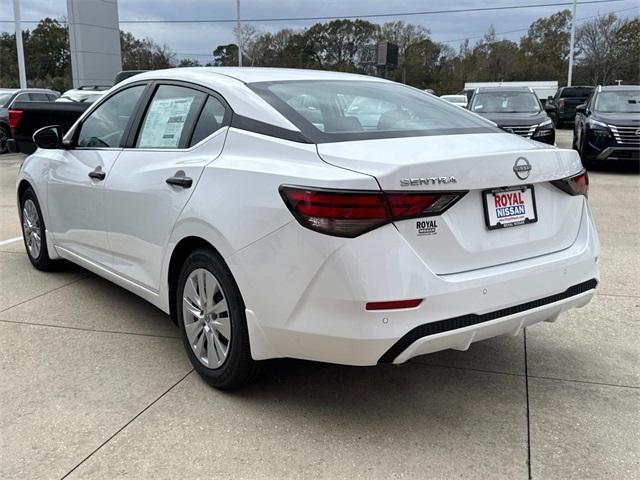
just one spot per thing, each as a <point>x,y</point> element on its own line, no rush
<point>15,117</point>
<point>561,105</point>
<point>412,205</point>
<point>575,185</point>
<point>349,213</point>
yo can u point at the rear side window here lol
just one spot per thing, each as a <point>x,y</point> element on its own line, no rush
<point>211,119</point>
<point>105,126</point>
<point>170,117</point>
<point>39,97</point>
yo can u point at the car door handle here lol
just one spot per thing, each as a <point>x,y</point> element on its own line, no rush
<point>179,180</point>
<point>97,174</point>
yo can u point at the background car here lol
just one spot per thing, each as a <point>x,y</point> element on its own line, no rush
<point>272,218</point>
<point>8,96</point>
<point>460,100</point>
<point>607,127</point>
<point>87,94</point>
<point>516,110</point>
<point>562,106</point>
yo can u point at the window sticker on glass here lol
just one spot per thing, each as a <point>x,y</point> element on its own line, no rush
<point>164,123</point>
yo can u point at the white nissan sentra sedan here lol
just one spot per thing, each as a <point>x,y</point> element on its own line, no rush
<point>315,215</point>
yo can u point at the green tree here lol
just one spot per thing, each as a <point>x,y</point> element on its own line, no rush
<point>544,50</point>
<point>340,44</point>
<point>225,55</point>
<point>144,54</point>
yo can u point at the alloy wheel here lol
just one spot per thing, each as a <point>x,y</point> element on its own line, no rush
<point>31,228</point>
<point>206,318</point>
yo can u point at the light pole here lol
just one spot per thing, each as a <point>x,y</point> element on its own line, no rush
<point>21,72</point>
<point>571,45</point>
<point>239,33</point>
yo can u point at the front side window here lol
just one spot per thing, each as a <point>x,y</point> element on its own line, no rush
<point>505,102</point>
<point>170,117</point>
<point>338,110</point>
<point>105,126</point>
<point>625,101</point>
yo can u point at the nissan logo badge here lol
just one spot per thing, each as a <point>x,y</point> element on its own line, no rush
<point>522,168</point>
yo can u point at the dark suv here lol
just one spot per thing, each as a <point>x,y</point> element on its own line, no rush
<point>562,106</point>
<point>516,110</point>
<point>607,126</point>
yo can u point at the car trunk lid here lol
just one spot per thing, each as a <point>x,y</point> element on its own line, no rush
<point>460,240</point>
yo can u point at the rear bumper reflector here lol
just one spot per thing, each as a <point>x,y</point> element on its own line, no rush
<point>468,320</point>
<point>394,304</point>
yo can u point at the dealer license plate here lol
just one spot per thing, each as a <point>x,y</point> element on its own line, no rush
<point>509,206</point>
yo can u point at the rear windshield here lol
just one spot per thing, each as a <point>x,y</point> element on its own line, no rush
<point>625,101</point>
<point>334,111</point>
<point>580,92</point>
<point>505,102</point>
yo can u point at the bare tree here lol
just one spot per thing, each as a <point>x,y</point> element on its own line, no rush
<point>246,37</point>
<point>598,45</point>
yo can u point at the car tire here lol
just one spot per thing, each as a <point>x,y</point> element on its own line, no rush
<point>33,231</point>
<point>587,163</point>
<point>212,320</point>
<point>4,136</point>
<point>559,123</point>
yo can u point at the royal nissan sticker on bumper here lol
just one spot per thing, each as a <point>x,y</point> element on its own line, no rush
<point>509,207</point>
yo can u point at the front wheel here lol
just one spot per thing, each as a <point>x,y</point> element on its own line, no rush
<point>211,315</point>
<point>33,231</point>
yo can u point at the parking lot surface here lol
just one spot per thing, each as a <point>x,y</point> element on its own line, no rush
<point>95,384</point>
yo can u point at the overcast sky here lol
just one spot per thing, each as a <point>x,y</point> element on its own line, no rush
<point>198,40</point>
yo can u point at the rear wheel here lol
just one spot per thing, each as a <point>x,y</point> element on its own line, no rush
<point>211,315</point>
<point>33,231</point>
<point>4,136</point>
<point>559,123</point>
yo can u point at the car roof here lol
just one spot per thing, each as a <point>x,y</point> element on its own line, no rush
<point>504,89</point>
<point>13,90</point>
<point>255,74</point>
<point>231,83</point>
<point>607,88</point>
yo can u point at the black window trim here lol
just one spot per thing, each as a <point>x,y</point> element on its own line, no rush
<point>138,118</point>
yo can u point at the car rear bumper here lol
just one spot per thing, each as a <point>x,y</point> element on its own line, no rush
<point>328,321</point>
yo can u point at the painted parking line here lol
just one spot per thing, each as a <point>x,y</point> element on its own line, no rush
<point>10,240</point>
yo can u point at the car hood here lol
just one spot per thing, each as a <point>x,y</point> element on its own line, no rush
<point>620,119</point>
<point>516,119</point>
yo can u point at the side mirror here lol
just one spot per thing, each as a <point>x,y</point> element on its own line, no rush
<point>550,99</point>
<point>582,108</point>
<point>549,108</point>
<point>49,138</point>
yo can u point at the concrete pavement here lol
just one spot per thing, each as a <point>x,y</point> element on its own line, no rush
<point>94,383</point>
